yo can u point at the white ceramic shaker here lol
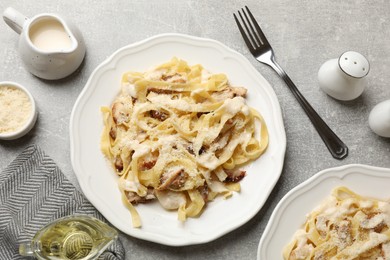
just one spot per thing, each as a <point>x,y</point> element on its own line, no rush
<point>344,78</point>
<point>379,119</point>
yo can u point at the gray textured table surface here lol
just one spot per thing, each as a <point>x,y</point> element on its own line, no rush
<point>304,34</point>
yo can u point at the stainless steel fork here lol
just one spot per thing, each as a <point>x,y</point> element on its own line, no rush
<point>262,51</point>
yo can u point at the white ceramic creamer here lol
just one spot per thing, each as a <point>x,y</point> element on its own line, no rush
<point>50,47</point>
<point>344,78</point>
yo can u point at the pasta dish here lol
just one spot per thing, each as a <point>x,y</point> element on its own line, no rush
<point>345,226</point>
<point>179,135</point>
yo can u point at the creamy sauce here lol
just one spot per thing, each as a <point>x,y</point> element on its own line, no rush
<point>205,76</point>
<point>129,185</point>
<point>171,199</point>
<point>130,89</point>
<point>234,105</point>
<point>139,149</point>
<point>208,160</point>
<point>155,74</point>
<point>50,35</point>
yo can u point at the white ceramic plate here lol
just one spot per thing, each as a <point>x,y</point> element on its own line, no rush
<point>99,181</point>
<point>290,213</point>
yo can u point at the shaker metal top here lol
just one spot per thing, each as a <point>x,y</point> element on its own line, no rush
<point>354,64</point>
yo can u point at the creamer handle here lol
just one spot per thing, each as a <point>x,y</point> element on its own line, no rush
<point>14,19</point>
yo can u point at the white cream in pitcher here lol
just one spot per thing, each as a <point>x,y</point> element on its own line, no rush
<point>50,35</point>
<point>50,46</point>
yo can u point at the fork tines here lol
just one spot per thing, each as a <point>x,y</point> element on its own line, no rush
<point>252,34</point>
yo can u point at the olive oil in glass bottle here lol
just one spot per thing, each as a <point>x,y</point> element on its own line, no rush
<point>70,238</point>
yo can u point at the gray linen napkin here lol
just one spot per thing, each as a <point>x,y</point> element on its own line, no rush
<point>33,192</point>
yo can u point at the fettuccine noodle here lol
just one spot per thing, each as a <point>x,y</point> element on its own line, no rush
<point>179,134</point>
<point>345,226</point>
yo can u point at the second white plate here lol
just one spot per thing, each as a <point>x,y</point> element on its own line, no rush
<point>289,214</point>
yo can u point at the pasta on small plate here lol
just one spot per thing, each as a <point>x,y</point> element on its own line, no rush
<point>339,213</point>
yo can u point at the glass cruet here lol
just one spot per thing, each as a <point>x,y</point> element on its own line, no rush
<point>73,237</point>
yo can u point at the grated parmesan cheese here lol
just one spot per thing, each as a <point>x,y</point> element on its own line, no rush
<point>15,109</point>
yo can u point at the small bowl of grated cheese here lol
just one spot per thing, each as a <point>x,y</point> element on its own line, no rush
<point>18,112</point>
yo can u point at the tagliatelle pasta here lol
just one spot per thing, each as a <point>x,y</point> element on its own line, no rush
<point>179,134</point>
<point>345,226</point>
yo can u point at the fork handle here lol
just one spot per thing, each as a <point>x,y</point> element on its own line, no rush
<point>336,147</point>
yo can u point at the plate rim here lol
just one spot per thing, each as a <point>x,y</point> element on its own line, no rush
<point>277,157</point>
<point>339,172</point>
